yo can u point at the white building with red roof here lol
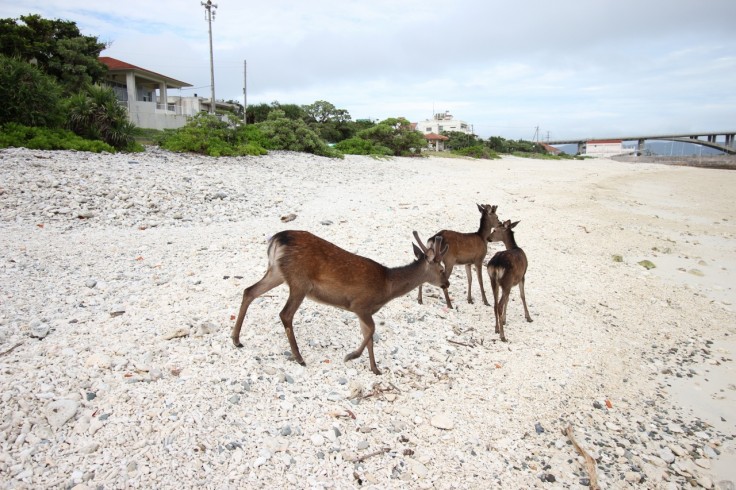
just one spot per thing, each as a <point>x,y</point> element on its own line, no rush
<point>146,95</point>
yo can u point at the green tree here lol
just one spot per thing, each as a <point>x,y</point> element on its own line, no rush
<point>257,113</point>
<point>57,47</point>
<point>459,140</point>
<point>331,123</point>
<point>498,144</point>
<point>31,97</point>
<point>396,134</point>
<point>322,111</point>
<point>291,111</point>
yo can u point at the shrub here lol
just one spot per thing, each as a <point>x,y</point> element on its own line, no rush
<point>294,135</point>
<point>30,97</point>
<point>477,151</point>
<point>209,135</point>
<point>20,136</point>
<point>360,146</point>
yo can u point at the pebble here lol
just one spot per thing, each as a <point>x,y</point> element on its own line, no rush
<point>40,330</point>
<point>59,412</point>
<point>442,421</point>
<point>667,455</point>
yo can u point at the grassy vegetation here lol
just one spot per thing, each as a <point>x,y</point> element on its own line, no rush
<point>20,136</point>
<point>146,136</point>
<point>547,156</point>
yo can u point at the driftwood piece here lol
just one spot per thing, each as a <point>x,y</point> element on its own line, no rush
<point>460,343</point>
<point>358,459</point>
<point>11,349</point>
<point>589,461</point>
<point>379,389</point>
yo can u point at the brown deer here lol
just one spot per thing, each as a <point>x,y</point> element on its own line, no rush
<point>468,249</point>
<point>506,269</point>
<point>317,269</point>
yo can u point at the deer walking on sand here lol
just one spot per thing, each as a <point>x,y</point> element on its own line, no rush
<point>468,249</point>
<point>317,269</point>
<point>506,269</point>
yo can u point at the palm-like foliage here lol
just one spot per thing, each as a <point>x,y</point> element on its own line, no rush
<point>96,114</point>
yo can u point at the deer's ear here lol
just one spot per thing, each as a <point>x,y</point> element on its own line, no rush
<point>417,251</point>
<point>480,208</point>
<point>514,224</point>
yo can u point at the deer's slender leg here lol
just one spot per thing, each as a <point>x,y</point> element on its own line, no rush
<point>469,274</point>
<point>523,300</point>
<point>502,307</point>
<point>494,289</point>
<point>269,281</point>
<point>448,273</point>
<point>287,317</point>
<point>479,272</point>
<point>368,327</point>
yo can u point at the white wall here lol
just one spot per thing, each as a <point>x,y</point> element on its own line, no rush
<point>146,115</point>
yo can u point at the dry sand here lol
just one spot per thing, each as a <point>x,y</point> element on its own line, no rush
<point>121,275</point>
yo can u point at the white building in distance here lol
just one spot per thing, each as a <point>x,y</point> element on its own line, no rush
<point>604,148</point>
<point>443,121</point>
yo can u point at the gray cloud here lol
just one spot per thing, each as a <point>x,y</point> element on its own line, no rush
<point>570,67</point>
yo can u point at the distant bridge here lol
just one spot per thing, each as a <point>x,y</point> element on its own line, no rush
<point>727,145</point>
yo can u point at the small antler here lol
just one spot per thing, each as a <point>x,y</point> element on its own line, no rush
<point>439,250</point>
<point>419,241</point>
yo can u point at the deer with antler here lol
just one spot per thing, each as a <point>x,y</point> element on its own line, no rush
<point>468,249</point>
<point>317,269</point>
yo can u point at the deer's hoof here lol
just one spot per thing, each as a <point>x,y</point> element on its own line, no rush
<point>376,371</point>
<point>237,343</point>
<point>529,320</point>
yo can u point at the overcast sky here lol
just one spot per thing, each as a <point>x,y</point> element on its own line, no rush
<point>571,68</point>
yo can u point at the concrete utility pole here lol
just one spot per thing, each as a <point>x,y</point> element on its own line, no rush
<point>245,94</point>
<point>209,16</point>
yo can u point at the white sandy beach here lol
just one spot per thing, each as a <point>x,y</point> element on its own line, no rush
<point>122,274</point>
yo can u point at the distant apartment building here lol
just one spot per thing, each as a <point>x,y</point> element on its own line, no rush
<point>604,148</point>
<point>443,121</point>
